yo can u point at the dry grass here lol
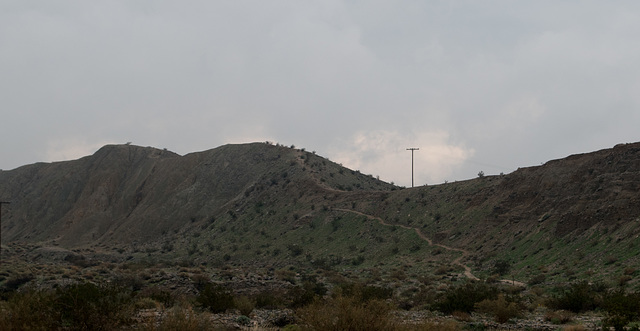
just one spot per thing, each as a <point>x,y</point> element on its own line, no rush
<point>500,308</point>
<point>179,318</point>
<point>559,316</point>
<point>574,328</point>
<point>18,313</point>
<point>447,325</point>
<point>346,314</point>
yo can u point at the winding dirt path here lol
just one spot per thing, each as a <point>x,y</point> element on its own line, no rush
<point>457,261</point>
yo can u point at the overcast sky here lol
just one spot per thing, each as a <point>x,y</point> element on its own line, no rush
<point>476,85</point>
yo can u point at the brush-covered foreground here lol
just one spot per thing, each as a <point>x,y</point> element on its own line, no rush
<point>130,295</point>
<point>268,236</point>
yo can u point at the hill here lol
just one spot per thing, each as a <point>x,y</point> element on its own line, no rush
<point>260,204</point>
<point>572,218</point>
<point>125,193</point>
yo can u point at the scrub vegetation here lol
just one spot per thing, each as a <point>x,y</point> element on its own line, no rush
<point>273,237</point>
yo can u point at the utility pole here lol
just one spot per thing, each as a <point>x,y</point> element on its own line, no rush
<point>412,149</point>
<point>1,203</point>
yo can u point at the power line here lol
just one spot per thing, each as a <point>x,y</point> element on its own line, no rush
<point>412,149</point>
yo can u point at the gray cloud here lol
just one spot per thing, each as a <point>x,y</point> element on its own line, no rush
<point>486,86</point>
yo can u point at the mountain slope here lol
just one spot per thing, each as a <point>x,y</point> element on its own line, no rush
<point>576,215</point>
<point>125,193</point>
<point>262,204</point>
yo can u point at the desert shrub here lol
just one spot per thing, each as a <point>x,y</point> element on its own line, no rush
<point>461,316</point>
<point>369,292</point>
<point>364,293</point>
<point>286,275</point>
<point>181,318</point>
<point>300,296</point>
<point>464,297</point>
<point>79,260</point>
<point>441,270</point>
<point>578,327</point>
<point>537,279</point>
<point>244,304</point>
<point>423,298</point>
<point>312,284</point>
<point>243,320</point>
<point>501,309</point>
<point>131,282</point>
<point>18,312</point>
<point>398,274</point>
<point>578,297</point>
<point>215,298</point>
<point>162,296</point>
<point>358,260</point>
<point>621,308</point>
<point>85,306</point>
<point>200,281</point>
<point>446,325</point>
<point>295,249</point>
<point>559,316</point>
<point>501,267</point>
<point>346,313</point>
<point>610,260</point>
<point>624,279</point>
<point>269,300</point>
<point>146,303</point>
<point>82,306</point>
<point>15,282</point>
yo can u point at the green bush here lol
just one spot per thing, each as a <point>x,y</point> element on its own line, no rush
<point>621,309</point>
<point>19,311</point>
<point>559,316</point>
<point>346,313</point>
<point>537,279</point>
<point>162,296</point>
<point>501,309</point>
<point>364,293</point>
<point>13,283</point>
<point>463,298</point>
<point>181,318</point>
<point>299,296</point>
<point>216,298</point>
<point>244,304</point>
<point>82,306</point>
<point>86,306</point>
<point>243,320</point>
<point>269,300</point>
<point>578,297</point>
<point>295,249</point>
<point>501,267</point>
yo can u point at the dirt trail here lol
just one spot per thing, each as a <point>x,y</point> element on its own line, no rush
<point>457,261</point>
